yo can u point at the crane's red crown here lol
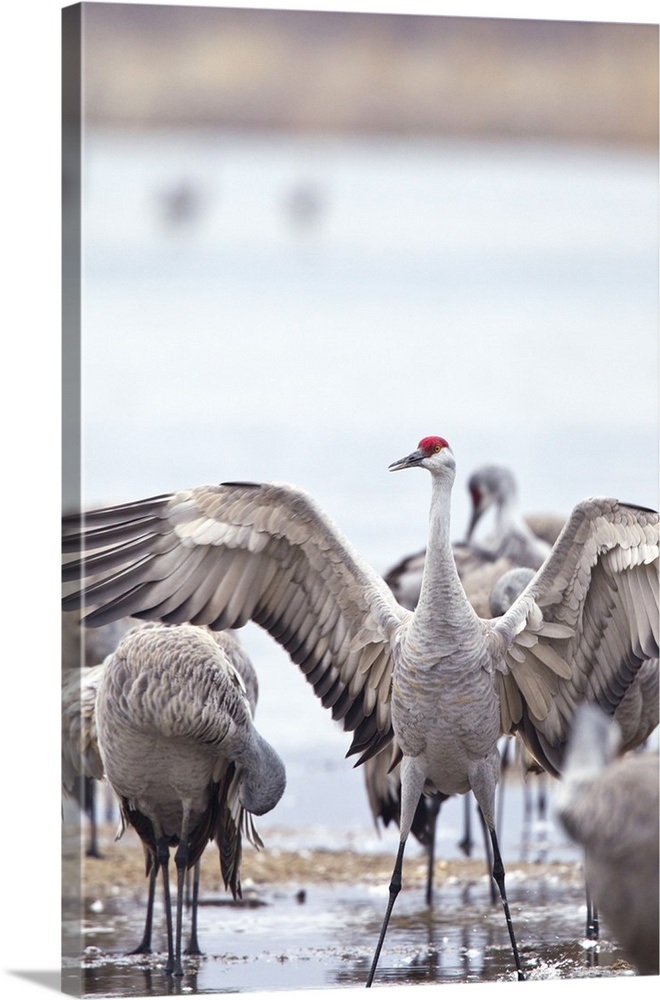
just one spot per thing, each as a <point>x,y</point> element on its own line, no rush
<point>432,445</point>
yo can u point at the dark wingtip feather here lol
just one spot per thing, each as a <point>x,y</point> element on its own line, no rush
<point>378,743</point>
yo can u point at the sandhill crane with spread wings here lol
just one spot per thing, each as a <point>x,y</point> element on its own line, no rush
<point>444,683</point>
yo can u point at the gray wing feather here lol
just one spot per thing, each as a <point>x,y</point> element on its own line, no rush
<point>221,555</point>
<point>583,626</point>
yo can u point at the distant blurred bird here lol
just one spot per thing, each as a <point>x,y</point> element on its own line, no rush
<point>180,749</point>
<point>405,579</point>
<point>304,203</point>
<point>181,203</point>
<point>81,761</point>
<point>83,649</point>
<point>494,486</point>
<point>508,588</point>
<point>610,806</point>
<point>87,647</point>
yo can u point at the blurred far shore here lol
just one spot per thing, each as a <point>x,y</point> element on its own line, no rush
<point>323,72</point>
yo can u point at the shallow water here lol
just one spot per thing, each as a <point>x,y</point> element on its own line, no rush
<point>328,941</point>
<point>311,932</point>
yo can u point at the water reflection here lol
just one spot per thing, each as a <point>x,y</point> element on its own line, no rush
<point>328,941</point>
<point>143,981</point>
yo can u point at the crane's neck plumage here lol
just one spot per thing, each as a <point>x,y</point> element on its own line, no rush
<point>443,607</point>
<point>508,515</point>
<point>510,521</point>
<point>263,777</point>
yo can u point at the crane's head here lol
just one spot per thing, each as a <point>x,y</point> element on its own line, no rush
<point>432,453</point>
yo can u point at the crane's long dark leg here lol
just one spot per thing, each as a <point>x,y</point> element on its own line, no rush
<point>109,802</point>
<point>489,858</point>
<point>498,875</point>
<point>434,809</point>
<point>593,929</point>
<point>144,947</point>
<point>527,823</point>
<point>181,861</point>
<point>542,807</point>
<point>163,856</point>
<point>395,888</point>
<point>412,786</point>
<point>505,762</point>
<point>89,799</point>
<point>193,944</point>
<point>466,844</point>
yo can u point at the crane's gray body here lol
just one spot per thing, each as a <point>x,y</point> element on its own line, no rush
<point>611,807</point>
<point>172,715</point>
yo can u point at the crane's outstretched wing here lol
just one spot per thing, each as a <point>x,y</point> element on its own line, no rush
<point>638,712</point>
<point>222,555</point>
<point>583,626</point>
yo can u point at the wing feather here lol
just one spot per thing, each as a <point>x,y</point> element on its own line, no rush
<point>583,625</point>
<point>221,555</point>
<point>511,708</point>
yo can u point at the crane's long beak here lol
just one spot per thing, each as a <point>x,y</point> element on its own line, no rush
<point>412,460</point>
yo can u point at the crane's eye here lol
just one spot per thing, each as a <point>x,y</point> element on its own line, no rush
<point>437,448</point>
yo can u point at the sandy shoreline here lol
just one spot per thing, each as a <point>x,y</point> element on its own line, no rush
<point>121,869</point>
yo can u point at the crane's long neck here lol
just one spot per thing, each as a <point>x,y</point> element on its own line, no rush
<point>263,777</point>
<point>442,607</point>
<point>510,521</point>
<point>508,514</point>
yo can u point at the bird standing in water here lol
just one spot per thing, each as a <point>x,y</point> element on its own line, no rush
<point>441,681</point>
<point>181,752</point>
<point>609,805</point>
